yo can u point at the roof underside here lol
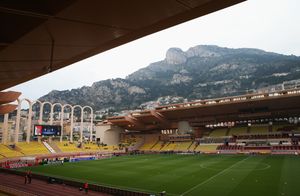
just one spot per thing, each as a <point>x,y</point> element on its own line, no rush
<point>38,37</point>
<point>199,114</point>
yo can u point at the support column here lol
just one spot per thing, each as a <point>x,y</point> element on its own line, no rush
<point>5,129</point>
<point>41,114</point>
<point>29,123</point>
<point>51,114</point>
<point>81,126</point>
<point>17,130</point>
<point>62,124</point>
<point>72,125</point>
<point>91,128</point>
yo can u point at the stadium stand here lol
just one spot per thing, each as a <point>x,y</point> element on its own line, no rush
<point>91,146</point>
<point>259,129</point>
<point>6,151</point>
<point>281,127</point>
<point>206,148</point>
<point>32,148</point>
<point>182,146</point>
<point>109,148</point>
<point>237,131</point>
<point>68,147</point>
<point>149,142</point>
<point>132,142</point>
<point>218,132</point>
<point>158,145</point>
<point>170,146</point>
<point>230,147</point>
<point>286,147</point>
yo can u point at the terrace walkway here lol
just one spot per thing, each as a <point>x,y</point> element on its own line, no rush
<point>14,185</point>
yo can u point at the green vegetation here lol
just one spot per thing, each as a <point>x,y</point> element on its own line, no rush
<point>203,72</point>
<point>212,175</point>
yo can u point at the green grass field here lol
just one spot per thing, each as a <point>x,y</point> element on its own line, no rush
<point>207,175</point>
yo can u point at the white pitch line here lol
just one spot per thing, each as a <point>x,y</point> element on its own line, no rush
<point>221,172</point>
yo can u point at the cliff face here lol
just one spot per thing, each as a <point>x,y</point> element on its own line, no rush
<point>203,71</point>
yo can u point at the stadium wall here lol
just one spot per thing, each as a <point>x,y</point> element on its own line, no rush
<point>108,134</point>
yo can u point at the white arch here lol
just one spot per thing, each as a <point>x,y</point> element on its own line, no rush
<point>18,117</point>
<point>62,121</point>
<point>42,110</point>
<point>81,122</point>
<point>51,116</point>
<point>51,112</point>
<point>40,104</point>
<point>91,125</point>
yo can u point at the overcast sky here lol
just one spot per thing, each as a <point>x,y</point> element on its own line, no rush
<point>271,25</point>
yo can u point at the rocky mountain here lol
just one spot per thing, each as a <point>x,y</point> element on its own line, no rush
<point>203,71</point>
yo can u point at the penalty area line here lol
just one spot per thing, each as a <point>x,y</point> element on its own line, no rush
<point>214,176</point>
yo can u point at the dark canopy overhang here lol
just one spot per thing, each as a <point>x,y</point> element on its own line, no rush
<point>40,36</point>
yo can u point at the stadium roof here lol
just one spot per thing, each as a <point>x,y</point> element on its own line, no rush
<point>5,99</point>
<point>198,114</point>
<point>40,36</point>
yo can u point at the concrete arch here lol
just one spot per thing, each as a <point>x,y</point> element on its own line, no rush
<point>62,121</point>
<point>18,117</point>
<point>81,122</point>
<point>52,109</point>
<point>91,125</point>
<point>42,110</point>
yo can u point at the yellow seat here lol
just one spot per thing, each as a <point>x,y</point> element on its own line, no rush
<point>206,148</point>
<point>32,148</point>
<point>182,146</point>
<point>68,147</point>
<point>218,132</point>
<point>238,131</point>
<point>259,129</point>
<point>5,151</point>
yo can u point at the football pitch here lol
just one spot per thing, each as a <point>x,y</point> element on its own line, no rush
<point>209,175</point>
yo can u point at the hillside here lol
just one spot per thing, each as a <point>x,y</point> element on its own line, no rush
<point>203,71</point>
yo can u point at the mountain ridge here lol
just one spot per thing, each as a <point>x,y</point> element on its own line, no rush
<point>203,71</point>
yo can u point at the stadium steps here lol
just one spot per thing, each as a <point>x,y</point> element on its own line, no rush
<point>227,132</point>
<point>16,148</point>
<point>190,145</point>
<point>157,146</point>
<point>55,147</point>
<point>154,144</point>
<point>169,147</point>
<point>49,147</point>
<point>164,145</point>
<point>195,145</point>
<point>2,156</point>
<point>39,187</point>
<point>181,146</point>
<point>137,144</point>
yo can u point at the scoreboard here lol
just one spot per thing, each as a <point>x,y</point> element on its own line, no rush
<point>47,130</point>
